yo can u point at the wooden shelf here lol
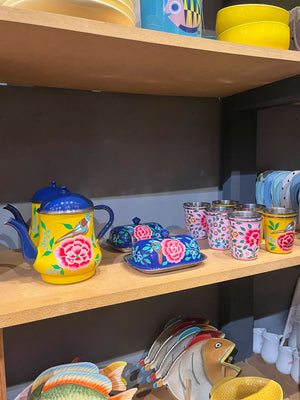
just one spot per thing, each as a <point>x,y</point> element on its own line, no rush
<point>45,49</point>
<point>26,298</point>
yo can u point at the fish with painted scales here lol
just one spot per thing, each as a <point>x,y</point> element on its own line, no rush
<point>203,363</point>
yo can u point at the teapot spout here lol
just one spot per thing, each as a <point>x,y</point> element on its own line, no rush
<point>16,213</point>
<point>29,250</point>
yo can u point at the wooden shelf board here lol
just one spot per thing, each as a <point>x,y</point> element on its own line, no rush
<point>45,49</point>
<point>26,298</point>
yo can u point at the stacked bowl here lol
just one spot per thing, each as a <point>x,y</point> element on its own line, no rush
<point>114,11</point>
<point>254,24</point>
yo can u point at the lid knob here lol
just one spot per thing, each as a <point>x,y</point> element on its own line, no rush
<point>136,221</point>
<point>164,233</point>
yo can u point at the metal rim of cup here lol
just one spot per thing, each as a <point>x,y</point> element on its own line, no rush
<point>196,204</point>
<point>251,206</point>
<point>220,209</point>
<point>245,215</point>
<point>225,203</point>
<point>277,211</point>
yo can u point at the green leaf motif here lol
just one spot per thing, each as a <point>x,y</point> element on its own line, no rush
<point>43,225</point>
<point>94,245</point>
<point>68,226</point>
<point>51,242</point>
<point>34,211</point>
<point>276,226</point>
<point>271,223</point>
<point>243,229</point>
<point>188,258</point>
<point>249,226</point>
<point>36,235</point>
<point>47,253</point>
<point>271,227</point>
<point>62,272</point>
<point>245,247</point>
<point>97,256</point>
<point>55,266</point>
<point>165,263</point>
<point>147,261</point>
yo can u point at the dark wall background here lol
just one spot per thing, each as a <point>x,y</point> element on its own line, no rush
<point>103,144</point>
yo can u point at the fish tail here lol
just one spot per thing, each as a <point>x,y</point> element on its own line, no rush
<point>158,384</point>
<point>151,378</point>
<point>116,378</point>
<point>140,364</point>
<point>127,395</point>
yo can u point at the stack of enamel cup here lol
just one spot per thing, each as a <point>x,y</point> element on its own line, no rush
<point>114,11</point>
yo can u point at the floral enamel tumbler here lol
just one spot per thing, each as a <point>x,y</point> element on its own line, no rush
<point>195,219</point>
<point>218,232</point>
<point>245,227</point>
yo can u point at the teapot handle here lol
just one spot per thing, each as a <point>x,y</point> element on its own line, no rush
<point>110,222</point>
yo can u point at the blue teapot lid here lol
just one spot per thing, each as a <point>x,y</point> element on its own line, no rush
<point>65,202</point>
<point>45,192</point>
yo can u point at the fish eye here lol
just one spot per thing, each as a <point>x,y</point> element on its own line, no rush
<point>218,345</point>
<point>175,7</point>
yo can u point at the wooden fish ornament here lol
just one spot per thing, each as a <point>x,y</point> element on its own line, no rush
<point>179,347</point>
<point>78,385</point>
<point>203,364</point>
<point>163,336</point>
<point>113,373</point>
<point>170,341</point>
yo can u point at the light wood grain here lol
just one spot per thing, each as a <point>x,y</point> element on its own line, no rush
<point>45,49</point>
<point>2,369</point>
<point>26,298</point>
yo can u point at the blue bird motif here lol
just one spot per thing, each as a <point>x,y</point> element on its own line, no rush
<point>80,229</point>
<point>288,228</point>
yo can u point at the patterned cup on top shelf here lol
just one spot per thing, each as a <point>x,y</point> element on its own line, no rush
<point>245,229</point>
<point>195,219</point>
<point>257,208</point>
<point>218,232</point>
<point>279,229</point>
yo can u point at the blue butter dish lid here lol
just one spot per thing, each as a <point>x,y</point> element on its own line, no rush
<point>122,237</point>
<point>44,193</point>
<point>165,253</point>
<point>65,202</point>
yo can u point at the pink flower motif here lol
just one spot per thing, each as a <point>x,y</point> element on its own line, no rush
<point>252,237</point>
<point>285,242</point>
<point>142,232</point>
<point>215,224</point>
<point>74,253</point>
<point>203,222</point>
<point>173,249</point>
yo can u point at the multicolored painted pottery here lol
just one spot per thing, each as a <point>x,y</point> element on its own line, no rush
<point>257,208</point>
<point>123,237</point>
<point>68,250</point>
<point>279,229</point>
<point>203,363</point>
<point>36,201</point>
<point>218,231</point>
<point>195,219</point>
<point>165,253</point>
<point>245,227</point>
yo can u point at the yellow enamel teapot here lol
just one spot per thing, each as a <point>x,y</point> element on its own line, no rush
<point>36,202</point>
<point>68,250</point>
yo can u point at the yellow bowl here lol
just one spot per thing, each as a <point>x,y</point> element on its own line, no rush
<point>244,13</point>
<point>112,11</point>
<point>263,33</point>
<point>246,388</point>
